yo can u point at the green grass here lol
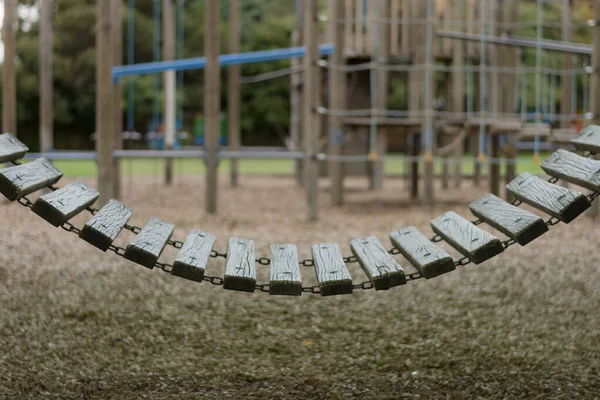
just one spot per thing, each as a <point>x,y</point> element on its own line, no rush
<point>147,167</point>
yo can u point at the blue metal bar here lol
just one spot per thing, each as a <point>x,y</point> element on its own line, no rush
<point>224,60</point>
<point>130,55</point>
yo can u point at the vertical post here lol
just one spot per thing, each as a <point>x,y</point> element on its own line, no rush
<point>337,100</point>
<point>296,93</point>
<point>310,121</point>
<point>104,99</point>
<point>46,104</point>
<point>494,59</point>
<point>9,76</point>
<point>565,80</point>
<point>428,137</point>
<point>117,144</point>
<point>595,82</point>
<point>414,86</point>
<point>212,99</point>
<point>381,48</point>
<point>458,85</point>
<point>170,85</point>
<point>233,88</point>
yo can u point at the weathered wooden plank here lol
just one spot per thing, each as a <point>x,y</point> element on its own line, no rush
<point>240,269</point>
<point>588,139</point>
<point>193,257</point>
<point>21,180</point>
<point>148,245</point>
<point>470,240</point>
<point>284,273</point>
<point>11,148</point>
<point>425,256</point>
<point>332,275</point>
<point>381,268</point>
<point>571,167</point>
<point>63,204</point>
<point>514,222</point>
<point>562,203</point>
<point>104,227</point>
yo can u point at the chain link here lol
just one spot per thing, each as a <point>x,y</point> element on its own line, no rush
<point>311,289</point>
<point>175,243</point>
<point>69,227</point>
<point>264,287</point>
<point>214,280</point>
<point>366,285</point>
<point>309,262</point>
<point>508,243</point>
<point>461,262</point>
<point>263,261</point>
<point>24,201</point>
<point>216,254</point>
<point>552,221</point>
<point>436,238</point>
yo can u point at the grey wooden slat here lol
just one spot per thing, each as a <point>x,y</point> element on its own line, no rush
<point>63,204</point>
<point>514,222</point>
<point>588,139</point>
<point>332,275</point>
<point>11,148</point>
<point>146,247</point>
<point>284,272</point>
<point>470,240</point>
<point>379,266</point>
<point>193,257</point>
<point>425,256</point>
<point>562,203</point>
<point>21,180</point>
<point>104,227</point>
<point>571,167</point>
<point>240,269</point>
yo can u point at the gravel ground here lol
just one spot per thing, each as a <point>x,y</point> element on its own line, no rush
<point>78,323</point>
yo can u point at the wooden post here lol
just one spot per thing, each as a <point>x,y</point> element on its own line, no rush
<point>428,137</point>
<point>565,79</point>
<point>458,85</point>
<point>594,84</point>
<point>9,76</point>
<point>170,87</point>
<point>337,100</point>
<point>296,110</point>
<point>212,99</point>
<point>233,89</point>
<point>117,38</point>
<point>104,100</point>
<point>494,59</point>
<point>381,47</point>
<point>510,82</point>
<point>310,120</point>
<point>414,85</point>
<point>46,104</point>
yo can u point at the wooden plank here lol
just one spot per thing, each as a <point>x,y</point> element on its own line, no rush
<point>332,275</point>
<point>470,240</point>
<point>104,227</point>
<point>284,274</point>
<point>193,257</point>
<point>571,167</point>
<point>11,148</point>
<point>21,180</point>
<point>514,222</point>
<point>148,245</point>
<point>425,256</point>
<point>381,268</point>
<point>562,203</point>
<point>240,269</point>
<point>348,26</point>
<point>63,204</point>
<point>358,27</point>
<point>588,139</point>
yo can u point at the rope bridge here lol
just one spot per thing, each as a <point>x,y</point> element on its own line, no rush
<point>382,270</point>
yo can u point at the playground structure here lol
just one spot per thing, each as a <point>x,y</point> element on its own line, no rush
<point>469,45</point>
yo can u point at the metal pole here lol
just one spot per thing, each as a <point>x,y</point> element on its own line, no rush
<point>538,82</point>
<point>595,94</point>
<point>130,60</point>
<point>46,95</point>
<point>233,87</point>
<point>170,85</point>
<point>212,99</point>
<point>117,131</point>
